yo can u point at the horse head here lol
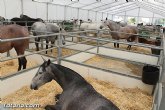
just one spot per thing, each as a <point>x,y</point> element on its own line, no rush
<point>40,20</point>
<point>2,18</point>
<point>111,24</point>
<point>43,75</point>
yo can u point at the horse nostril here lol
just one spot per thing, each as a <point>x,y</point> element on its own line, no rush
<point>33,87</point>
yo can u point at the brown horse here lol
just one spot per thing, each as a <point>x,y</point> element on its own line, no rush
<point>156,42</point>
<point>15,31</point>
<point>113,26</point>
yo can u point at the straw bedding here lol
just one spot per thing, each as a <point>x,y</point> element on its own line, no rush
<point>65,52</point>
<point>115,65</point>
<point>133,48</point>
<point>11,66</point>
<point>54,53</point>
<point>125,99</point>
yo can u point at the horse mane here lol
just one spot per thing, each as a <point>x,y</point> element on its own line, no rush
<point>113,23</point>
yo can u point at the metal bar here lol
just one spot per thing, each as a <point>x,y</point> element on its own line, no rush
<point>110,71</point>
<point>98,35</point>
<point>43,32</point>
<point>124,10</point>
<point>150,8</point>
<point>128,51</point>
<point>125,14</point>
<point>119,7</point>
<point>78,12</point>
<point>72,3</point>
<point>102,30</point>
<point>159,2</point>
<point>15,57</point>
<point>126,60</point>
<point>102,6</point>
<point>160,7</point>
<point>88,14</point>
<point>153,6</point>
<point>43,43</point>
<point>120,42</point>
<point>21,38</point>
<point>59,41</point>
<point>47,11</point>
<point>65,12</point>
<point>22,7</point>
<point>89,4</point>
<point>82,42</point>
<point>96,16</point>
<point>138,15</point>
<point>110,6</point>
<point>14,39</point>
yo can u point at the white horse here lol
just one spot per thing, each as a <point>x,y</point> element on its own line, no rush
<point>91,26</point>
<point>46,28</point>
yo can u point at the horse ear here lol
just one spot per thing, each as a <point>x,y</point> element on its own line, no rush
<point>48,62</point>
<point>43,59</point>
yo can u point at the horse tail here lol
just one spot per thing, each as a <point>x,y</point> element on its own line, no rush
<point>132,38</point>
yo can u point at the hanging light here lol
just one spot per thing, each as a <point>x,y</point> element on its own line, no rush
<point>42,0</point>
<point>75,0</point>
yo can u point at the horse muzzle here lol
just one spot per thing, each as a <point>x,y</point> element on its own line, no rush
<point>101,27</point>
<point>33,87</point>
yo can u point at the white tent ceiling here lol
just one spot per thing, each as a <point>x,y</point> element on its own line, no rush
<point>95,10</point>
<point>113,6</point>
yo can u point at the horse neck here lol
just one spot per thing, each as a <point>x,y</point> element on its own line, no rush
<point>113,26</point>
<point>65,77</point>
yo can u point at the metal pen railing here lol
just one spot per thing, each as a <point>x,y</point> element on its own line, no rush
<point>59,46</point>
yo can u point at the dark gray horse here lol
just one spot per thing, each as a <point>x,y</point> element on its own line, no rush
<point>77,93</point>
<point>46,28</point>
<point>25,20</point>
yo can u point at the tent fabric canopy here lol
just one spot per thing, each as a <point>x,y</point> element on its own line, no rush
<point>112,6</point>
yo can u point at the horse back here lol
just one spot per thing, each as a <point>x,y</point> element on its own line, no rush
<point>13,31</point>
<point>84,97</point>
<point>52,27</point>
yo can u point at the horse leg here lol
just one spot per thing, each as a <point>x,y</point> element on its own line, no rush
<point>131,39</point>
<point>24,62</point>
<point>47,45</point>
<point>115,45</point>
<point>129,47</point>
<point>19,64</point>
<point>52,43</point>
<point>37,40</point>
<point>63,40</point>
